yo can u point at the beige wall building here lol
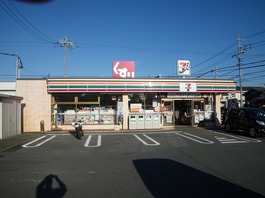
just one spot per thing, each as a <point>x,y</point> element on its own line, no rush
<point>36,104</point>
<point>120,104</point>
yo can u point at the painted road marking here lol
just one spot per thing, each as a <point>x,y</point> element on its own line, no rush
<point>154,143</point>
<point>31,144</point>
<point>194,137</point>
<point>228,139</point>
<point>87,143</point>
<point>225,140</point>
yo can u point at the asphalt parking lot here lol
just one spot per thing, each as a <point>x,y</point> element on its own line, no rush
<point>187,162</point>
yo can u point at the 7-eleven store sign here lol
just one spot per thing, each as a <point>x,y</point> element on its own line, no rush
<point>187,87</point>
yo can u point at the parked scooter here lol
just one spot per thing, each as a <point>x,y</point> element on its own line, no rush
<point>78,129</point>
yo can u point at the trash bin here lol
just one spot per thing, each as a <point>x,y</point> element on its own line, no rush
<point>156,121</point>
<point>148,121</point>
<point>42,126</point>
<point>132,121</point>
<point>140,121</point>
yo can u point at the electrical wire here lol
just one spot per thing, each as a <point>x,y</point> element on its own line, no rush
<point>31,25</point>
<point>23,22</point>
<point>256,34</point>
<point>215,55</point>
<point>256,44</point>
<point>234,68</point>
<point>230,68</point>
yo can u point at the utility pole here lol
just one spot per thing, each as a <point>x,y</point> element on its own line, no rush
<point>216,72</point>
<point>240,50</point>
<point>65,43</point>
<point>19,64</point>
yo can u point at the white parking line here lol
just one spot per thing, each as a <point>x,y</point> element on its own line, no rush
<point>87,143</point>
<point>233,139</point>
<point>28,145</point>
<point>225,140</point>
<point>155,143</point>
<point>194,138</point>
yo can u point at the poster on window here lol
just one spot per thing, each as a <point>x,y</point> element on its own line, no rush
<point>136,107</point>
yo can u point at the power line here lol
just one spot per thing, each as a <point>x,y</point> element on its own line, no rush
<point>24,22</point>
<point>229,47</point>
<point>231,69</point>
<point>214,56</point>
<point>31,25</point>
<point>18,21</point>
<point>257,43</point>
<point>255,34</point>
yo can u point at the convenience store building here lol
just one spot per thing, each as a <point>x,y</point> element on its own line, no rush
<point>120,103</point>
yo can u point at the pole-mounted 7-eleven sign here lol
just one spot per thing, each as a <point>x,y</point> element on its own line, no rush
<point>183,68</point>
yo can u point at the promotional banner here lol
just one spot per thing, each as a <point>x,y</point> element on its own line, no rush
<point>123,69</point>
<point>183,68</point>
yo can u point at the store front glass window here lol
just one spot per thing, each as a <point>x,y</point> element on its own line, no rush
<point>144,110</point>
<point>142,102</point>
<point>87,98</point>
<point>64,97</point>
<point>89,108</point>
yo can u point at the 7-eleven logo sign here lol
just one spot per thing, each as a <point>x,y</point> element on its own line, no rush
<point>187,87</point>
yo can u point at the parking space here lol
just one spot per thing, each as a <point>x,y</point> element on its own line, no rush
<point>225,138</point>
<point>204,137</point>
<point>118,163</point>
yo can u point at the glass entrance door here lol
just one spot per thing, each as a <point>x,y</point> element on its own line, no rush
<point>198,112</point>
<point>167,113</point>
<point>182,112</point>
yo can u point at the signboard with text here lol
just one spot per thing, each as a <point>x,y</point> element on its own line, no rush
<point>123,69</point>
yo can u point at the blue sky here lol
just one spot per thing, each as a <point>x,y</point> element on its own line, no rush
<point>153,33</point>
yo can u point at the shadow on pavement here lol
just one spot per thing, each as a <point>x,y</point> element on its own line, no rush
<point>51,187</point>
<point>74,134</point>
<point>168,178</point>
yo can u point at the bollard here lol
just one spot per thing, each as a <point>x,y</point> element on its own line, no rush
<point>42,126</point>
